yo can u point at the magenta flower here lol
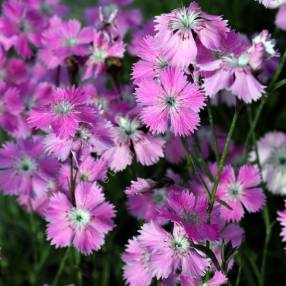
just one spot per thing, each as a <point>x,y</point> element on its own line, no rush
<point>11,106</point>
<point>22,25</point>
<point>145,201</point>
<point>83,225</point>
<point>103,48</point>
<point>64,39</point>
<point>171,103</point>
<point>65,112</point>
<point>282,220</point>
<point>154,60</point>
<point>171,252</point>
<point>182,28</point>
<point>25,169</point>
<point>136,269</point>
<point>243,191</point>
<point>192,213</point>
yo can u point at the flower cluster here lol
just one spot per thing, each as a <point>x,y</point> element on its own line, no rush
<point>73,125</point>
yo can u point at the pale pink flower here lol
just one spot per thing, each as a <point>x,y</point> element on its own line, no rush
<point>272,156</point>
<point>136,269</point>
<point>171,252</point>
<point>148,148</point>
<point>181,29</point>
<point>83,225</point>
<point>170,103</point>
<point>241,191</point>
<point>281,17</point>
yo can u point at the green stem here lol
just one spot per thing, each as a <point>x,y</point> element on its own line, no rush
<point>61,268</point>
<point>263,101</point>
<point>78,267</point>
<point>222,161</point>
<point>214,138</point>
<point>191,162</point>
<point>266,216</point>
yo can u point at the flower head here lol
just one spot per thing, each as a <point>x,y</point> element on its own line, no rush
<point>243,191</point>
<point>83,225</point>
<point>67,109</point>
<point>170,103</point>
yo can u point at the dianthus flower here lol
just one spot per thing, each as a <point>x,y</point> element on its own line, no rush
<point>170,103</point>
<point>272,156</point>
<point>241,191</point>
<point>191,212</point>
<point>171,252</point>
<point>148,148</point>
<point>67,109</point>
<point>182,28</point>
<point>64,39</point>
<point>25,168</point>
<point>282,220</point>
<point>83,225</point>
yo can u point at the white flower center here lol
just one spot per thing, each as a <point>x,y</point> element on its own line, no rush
<point>129,127</point>
<point>241,61</point>
<point>170,101</point>
<point>26,165</point>
<point>71,42</point>
<point>159,196</point>
<point>184,21</point>
<point>278,158</point>
<point>235,190</point>
<point>79,218</point>
<point>98,56</point>
<point>181,244</point>
<point>83,134</point>
<point>62,108</point>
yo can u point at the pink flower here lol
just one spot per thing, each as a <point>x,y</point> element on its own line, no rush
<point>154,60</point>
<point>243,191</point>
<point>148,148</point>
<point>64,113</point>
<point>171,252</point>
<point>146,201</point>
<point>22,25</point>
<point>11,106</point>
<point>182,28</point>
<point>89,170</point>
<point>192,213</point>
<point>25,169</point>
<point>83,225</point>
<point>174,150</point>
<point>272,155</point>
<point>103,48</point>
<point>171,103</point>
<point>231,69</point>
<point>282,219</point>
<point>64,39</point>
<point>136,269</point>
<point>281,17</point>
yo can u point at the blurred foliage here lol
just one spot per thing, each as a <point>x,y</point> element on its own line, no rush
<point>28,259</point>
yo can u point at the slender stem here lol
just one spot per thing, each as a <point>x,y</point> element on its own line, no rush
<point>214,138</point>
<point>78,267</point>
<point>191,162</point>
<point>261,105</point>
<point>61,268</point>
<point>266,216</point>
<point>221,162</point>
<point>237,282</point>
